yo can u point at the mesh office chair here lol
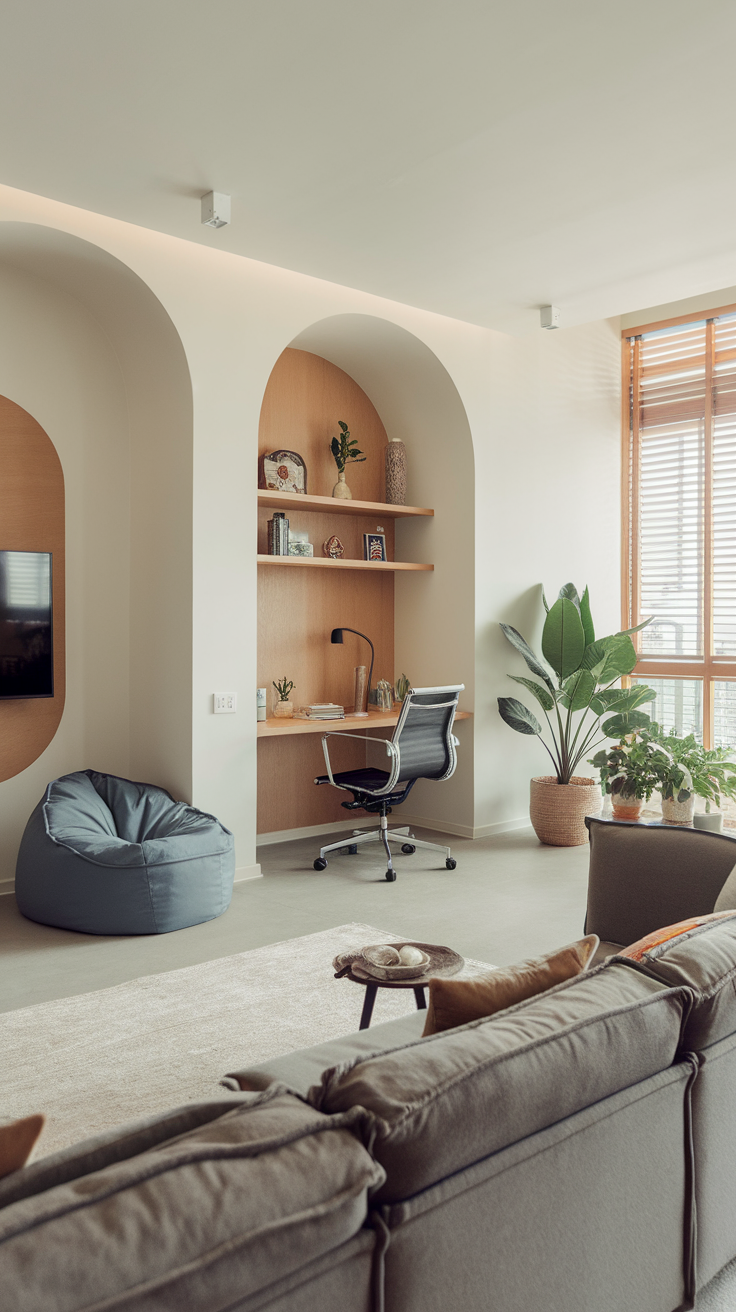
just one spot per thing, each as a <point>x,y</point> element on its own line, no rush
<point>422,747</point>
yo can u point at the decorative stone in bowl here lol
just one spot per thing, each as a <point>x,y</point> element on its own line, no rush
<point>401,962</point>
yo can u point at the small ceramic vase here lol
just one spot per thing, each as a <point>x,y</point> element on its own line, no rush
<point>341,490</point>
<point>395,473</point>
<point>283,710</point>
<point>712,820</point>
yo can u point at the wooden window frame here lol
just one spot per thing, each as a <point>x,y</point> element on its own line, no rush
<point>707,668</point>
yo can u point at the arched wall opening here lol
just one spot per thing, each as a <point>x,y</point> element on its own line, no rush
<point>418,402</point>
<point>90,352</point>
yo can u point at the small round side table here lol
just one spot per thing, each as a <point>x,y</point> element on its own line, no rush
<point>442,961</point>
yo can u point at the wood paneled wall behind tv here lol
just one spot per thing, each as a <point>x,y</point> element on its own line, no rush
<point>31,519</point>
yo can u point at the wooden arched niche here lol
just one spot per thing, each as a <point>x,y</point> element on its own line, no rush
<point>31,519</point>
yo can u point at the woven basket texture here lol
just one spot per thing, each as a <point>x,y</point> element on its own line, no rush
<point>558,811</point>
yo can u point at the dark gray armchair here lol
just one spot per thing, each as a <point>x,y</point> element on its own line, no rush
<point>642,877</point>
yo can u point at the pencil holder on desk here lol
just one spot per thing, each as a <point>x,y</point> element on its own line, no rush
<point>361,691</point>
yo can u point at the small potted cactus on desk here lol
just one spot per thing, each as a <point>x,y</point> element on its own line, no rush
<point>283,708</point>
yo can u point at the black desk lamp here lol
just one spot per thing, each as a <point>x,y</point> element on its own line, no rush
<point>336,636</point>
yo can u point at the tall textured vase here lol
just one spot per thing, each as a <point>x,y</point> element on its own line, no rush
<point>395,473</point>
<point>341,489</point>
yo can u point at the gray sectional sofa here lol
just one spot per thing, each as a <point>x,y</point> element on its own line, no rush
<point>548,1157</point>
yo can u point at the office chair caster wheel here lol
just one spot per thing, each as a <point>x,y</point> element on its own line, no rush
<point>390,876</point>
<point>408,849</point>
<point>450,863</point>
<point>353,849</point>
<point>320,863</point>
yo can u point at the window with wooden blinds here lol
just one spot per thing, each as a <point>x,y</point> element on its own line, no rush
<point>680,518</point>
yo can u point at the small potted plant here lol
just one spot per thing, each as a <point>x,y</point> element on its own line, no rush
<point>345,450</point>
<point>283,708</point>
<point>575,686</point>
<point>693,771</point>
<point>629,774</point>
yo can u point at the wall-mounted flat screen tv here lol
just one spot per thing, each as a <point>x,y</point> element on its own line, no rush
<point>26,628</point>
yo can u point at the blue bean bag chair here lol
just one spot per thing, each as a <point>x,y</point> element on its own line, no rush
<point>107,856</point>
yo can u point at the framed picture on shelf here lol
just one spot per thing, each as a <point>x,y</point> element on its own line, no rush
<point>282,471</point>
<point>374,546</point>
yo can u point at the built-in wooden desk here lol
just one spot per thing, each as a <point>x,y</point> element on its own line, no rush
<point>275,728</point>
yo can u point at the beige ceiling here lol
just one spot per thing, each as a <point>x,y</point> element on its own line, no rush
<point>475,158</point>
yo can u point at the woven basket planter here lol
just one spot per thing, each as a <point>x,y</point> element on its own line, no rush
<point>558,811</point>
<point>678,813</point>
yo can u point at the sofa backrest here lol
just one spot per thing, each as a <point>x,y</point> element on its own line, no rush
<point>255,1187</point>
<point>703,959</point>
<point>451,1099</point>
<point>645,876</point>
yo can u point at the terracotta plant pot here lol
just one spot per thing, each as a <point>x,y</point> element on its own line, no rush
<point>626,807</point>
<point>678,813</point>
<point>558,811</point>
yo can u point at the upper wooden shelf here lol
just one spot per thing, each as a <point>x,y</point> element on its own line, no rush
<point>295,501</point>
<point>326,562</point>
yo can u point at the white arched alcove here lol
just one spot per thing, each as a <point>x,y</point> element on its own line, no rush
<point>418,402</point>
<point>90,352</point>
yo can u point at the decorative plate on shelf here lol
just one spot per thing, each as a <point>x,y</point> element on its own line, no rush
<point>282,471</point>
<point>333,548</point>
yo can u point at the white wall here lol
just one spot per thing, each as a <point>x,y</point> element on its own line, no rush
<point>548,511</point>
<point>55,363</point>
<point>543,416</point>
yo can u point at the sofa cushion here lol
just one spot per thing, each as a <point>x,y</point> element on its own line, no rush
<point>453,1098</point>
<point>454,1002</point>
<point>701,954</point>
<point>196,1221</point>
<point>726,900</point>
<point>302,1069</point>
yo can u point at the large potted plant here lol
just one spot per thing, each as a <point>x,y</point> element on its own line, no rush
<point>574,686</point>
<point>688,770</point>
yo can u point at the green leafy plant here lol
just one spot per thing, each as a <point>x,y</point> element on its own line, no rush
<point>688,767</point>
<point>345,449</point>
<point>585,669</point>
<point>283,688</point>
<point>632,769</point>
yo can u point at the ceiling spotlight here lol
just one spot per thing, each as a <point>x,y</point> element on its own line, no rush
<point>549,316</point>
<point>215,209</point>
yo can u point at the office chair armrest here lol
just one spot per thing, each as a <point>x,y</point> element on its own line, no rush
<point>363,738</point>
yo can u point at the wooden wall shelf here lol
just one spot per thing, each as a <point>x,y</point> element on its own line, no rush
<point>326,562</point>
<point>295,501</point>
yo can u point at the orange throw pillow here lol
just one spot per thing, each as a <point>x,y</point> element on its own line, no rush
<point>637,951</point>
<point>16,1141</point>
<point>456,1001</point>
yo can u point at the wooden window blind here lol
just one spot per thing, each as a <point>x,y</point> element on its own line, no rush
<point>680,517</point>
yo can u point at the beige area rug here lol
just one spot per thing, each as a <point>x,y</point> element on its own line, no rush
<point>100,1059</point>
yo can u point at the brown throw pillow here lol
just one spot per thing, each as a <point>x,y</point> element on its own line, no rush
<point>16,1142</point>
<point>456,1001</point>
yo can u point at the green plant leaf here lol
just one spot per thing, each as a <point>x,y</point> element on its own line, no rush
<point>637,627</point>
<point>618,726</point>
<point>609,658</point>
<point>518,716</point>
<point>626,699</point>
<point>587,618</point>
<point>563,639</point>
<point>522,646</point>
<point>578,690</point>
<point>569,591</point>
<point>545,698</point>
<point>544,600</point>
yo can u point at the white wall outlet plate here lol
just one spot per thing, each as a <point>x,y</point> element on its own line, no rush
<point>225,703</point>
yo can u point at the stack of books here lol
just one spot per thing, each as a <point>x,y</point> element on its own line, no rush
<point>321,711</point>
<point>278,535</point>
